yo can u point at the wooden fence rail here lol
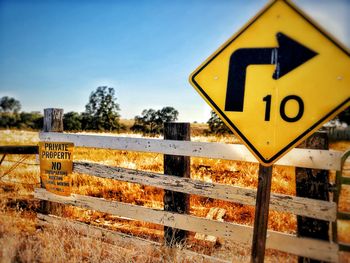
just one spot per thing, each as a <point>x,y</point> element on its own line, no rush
<point>307,247</point>
<point>297,205</point>
<point>307,158</point>
<point>28,149</point>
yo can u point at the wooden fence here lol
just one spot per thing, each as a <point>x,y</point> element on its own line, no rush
<point>301,206</point>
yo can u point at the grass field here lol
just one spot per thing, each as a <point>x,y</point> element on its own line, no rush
<point>22,241</point>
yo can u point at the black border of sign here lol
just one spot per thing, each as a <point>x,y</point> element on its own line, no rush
<point>300,137</point>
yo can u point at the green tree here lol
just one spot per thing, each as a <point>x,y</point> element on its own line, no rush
<point>8,120</point>
<point>23,120</point>
<point>216,125</point>
<point>10,105</point>
<point>101,112</point>
<point>86,121</point>
<point>72,121</point>
<point>31,120</point>
<point>9,108</point>
<point>151,121</point>
<point>146,123</point>
<point>167,114</point>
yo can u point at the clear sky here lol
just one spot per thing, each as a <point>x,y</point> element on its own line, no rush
<point>54,53</point>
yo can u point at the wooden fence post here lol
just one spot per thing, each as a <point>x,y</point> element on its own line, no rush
<point>261,214</point>
<point>53,122</point>
<point>178,166</point>
<point>313,183</point>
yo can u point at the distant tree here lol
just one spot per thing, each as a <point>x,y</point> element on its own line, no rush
<point>72,121</point>
<point>216,125</point>
<point>151,121</point>
<point>146,123</point>
<point>101,112</point>
<point>8,120</point>
<point>23,120</point>
<point>38,123</point>
<point>86,121</point>
<point>167,114</point>
<point>11,105</point>
<point>31,120</point>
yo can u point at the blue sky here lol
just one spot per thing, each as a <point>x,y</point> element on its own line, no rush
<point>55,53</point>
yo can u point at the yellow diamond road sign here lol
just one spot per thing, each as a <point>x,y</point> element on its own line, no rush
<point>276,81</point>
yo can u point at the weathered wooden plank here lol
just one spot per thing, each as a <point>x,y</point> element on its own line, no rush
<point>279,202</point>
<point>316,249</point>
<point>306,247</point>
<point>94,231</point>
<point>214,213</point>
<point>317,159</point>
<point>25,149</point>
<point>113,236</point>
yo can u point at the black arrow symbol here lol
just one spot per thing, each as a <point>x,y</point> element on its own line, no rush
<point>289,55</point>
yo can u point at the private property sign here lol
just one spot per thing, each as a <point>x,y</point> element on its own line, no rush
<point>56,165</point>
<point>276,81</point>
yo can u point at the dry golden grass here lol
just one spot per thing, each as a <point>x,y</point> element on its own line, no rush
<point>62,243</point>
<point>21,241</point>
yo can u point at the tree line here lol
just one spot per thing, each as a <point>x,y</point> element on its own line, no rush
<point>102,114</point>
